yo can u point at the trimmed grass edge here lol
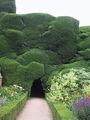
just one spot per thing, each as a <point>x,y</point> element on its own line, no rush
<point>56,115</point>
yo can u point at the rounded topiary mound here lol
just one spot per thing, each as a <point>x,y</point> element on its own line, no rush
<point>35,70</point>
<point>33,55</point>
<point>61,37</point>
<point>12,21</point>
<point>12,71</point>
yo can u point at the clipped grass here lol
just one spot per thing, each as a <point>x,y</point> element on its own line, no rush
<point>65,113</point>
<point>11,109</point>
<point>55,114</point>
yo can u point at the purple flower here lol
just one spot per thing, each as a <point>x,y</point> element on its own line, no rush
<point>81,108</point>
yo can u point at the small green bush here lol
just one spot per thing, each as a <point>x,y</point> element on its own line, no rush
<point>34,54</point>
<point>35,70</point>
<point>7,6</point>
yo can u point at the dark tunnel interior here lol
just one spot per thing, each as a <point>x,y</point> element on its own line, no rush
<point>37,89</point>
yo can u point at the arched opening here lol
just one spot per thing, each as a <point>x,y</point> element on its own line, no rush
<point>37,89</point>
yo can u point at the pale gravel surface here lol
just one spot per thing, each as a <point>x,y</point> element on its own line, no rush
<point>35,109</point>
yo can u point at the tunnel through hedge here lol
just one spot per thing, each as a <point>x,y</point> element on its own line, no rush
<point>37,89</point>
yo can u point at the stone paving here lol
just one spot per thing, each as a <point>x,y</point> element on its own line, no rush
<point>36,109</point>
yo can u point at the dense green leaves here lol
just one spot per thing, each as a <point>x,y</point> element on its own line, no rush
<point>33,55</point>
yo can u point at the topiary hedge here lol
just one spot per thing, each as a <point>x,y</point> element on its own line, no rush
<point>34,54</point>
<point>85,54</point>
<point>15,39</point>
<point>35,70</point>
<point>12,108</point>
<point>12,21</point>
<point>7,6</point>
<point>61,37</point>
<point>13,72</point>
<point>4,46</point>
<point>84,44</point>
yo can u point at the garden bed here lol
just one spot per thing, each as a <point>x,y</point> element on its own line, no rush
<point>15,100</point>
<point>10,110</point>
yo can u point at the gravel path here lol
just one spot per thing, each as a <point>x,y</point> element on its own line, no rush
<point>36,109</point>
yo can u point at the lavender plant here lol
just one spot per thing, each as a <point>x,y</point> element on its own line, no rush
<point>81,108</point>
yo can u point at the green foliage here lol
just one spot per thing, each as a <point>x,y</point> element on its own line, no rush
<point>15,39</point>
<point>11,21</point>
<point>35,70</point>
<point>7,6</point>
<point>33,55</point>
<point>13,72</point>
<point>12,108</point>
<point>35,25</point>
<point>35,19</point>
<point>85,54</point>
<point>53,57</point>
<point>4,46</point>
<point>12,92</point>
<point>80,63</point>
<point>85,29</point>
<point>65,87</point>
<point>61,37</point>
<point>84,44</point>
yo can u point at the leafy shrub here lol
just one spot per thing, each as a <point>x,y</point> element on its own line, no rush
<point>10,110</point>
<point>35,70</point>
<point>11,92</point>
<point>81,108</point>
<point>68,86</point>
<point>7,6</point>
<point>33,55</point>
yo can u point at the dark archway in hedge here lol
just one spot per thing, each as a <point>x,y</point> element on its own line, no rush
<point>37,89</point>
